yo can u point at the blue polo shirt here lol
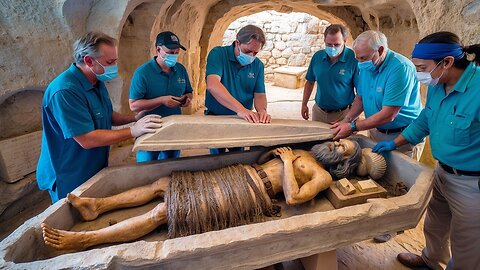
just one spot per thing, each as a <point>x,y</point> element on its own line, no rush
<point>335,81</point>
<point>453,122</point>
<point>150,81</point>
<point>393,83</point>
<point>241,81</point>
<point>72,106</point>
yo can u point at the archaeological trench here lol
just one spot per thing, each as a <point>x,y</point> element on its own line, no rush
<point>36,40</point>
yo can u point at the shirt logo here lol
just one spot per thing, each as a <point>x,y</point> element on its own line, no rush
<point>251,75</point>
<point>342,71</point>
<point>181,80</point>
<point>379,89</point>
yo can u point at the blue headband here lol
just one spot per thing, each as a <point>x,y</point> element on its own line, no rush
<point>437,51</point>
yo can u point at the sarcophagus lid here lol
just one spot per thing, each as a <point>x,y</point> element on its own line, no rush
<point>193,132</point>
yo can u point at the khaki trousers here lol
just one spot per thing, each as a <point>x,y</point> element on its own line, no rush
<point>413,151</point>
<point>322,116</point>
<point>453,215</point>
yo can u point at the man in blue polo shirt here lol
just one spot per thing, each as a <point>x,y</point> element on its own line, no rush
<point>387,91</point>
<point>160,87</point>
<point>335,68</point>
<point>235,79</point>
<point>77,118</point>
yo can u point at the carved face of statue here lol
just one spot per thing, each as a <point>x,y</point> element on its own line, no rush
<point>344,147</point>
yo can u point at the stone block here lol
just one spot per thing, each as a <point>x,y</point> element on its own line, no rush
<point>339,200</point>
<point>345,186</point>
<point>19,156</point>
<point>290,77</point>
<point>366,186</point>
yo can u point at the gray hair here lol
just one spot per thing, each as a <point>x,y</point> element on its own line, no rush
<point>250,32</point>
<point>89,44</point>
<point>338,166</point>
<point>375,39</point>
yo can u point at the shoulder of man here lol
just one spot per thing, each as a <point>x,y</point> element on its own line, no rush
<point>66,81</point>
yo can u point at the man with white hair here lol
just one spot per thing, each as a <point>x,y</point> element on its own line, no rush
<point>387,91</point>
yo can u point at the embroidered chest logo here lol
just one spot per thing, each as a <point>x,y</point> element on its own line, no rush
<point>342,71</point>
<point>379,89</point>
<point>251,75</point>
<point>181,80</point>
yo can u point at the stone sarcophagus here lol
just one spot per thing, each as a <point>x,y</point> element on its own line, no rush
<point>301,231</point>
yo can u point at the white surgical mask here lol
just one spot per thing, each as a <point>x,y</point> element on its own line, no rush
<point>426,77</point>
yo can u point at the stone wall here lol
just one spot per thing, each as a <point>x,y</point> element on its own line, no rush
<point>291,38</point>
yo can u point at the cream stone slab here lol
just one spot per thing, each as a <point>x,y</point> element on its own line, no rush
<point>366,186</point>
<point>310,231</point>
<point>339,200</point>
<point>19,156</point>
<point>289,77</point>
<point>194,132</point>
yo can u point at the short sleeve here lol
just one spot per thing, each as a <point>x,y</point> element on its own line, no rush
<point>71,113</point>
<point>214,62</point>
<point>399,87</point>
<point>260,82</point>
<point>310,76</point>
<point>138,86</point>
<point>188,86</point>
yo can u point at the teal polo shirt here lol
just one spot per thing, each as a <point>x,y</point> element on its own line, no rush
<point>150,81</point>
<point>453,122</point>
<point>72,106</point>
<point>335,81</point>
<point>242,82</point>
<point>393,83</point>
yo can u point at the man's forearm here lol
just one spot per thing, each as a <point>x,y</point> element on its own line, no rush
<point>138,105</point>
<point>355,110</point>
<point>384,116</point>
<point>260,102</point>
<point>307,92</point>
<point>103,137</point>
<point>119,119</point>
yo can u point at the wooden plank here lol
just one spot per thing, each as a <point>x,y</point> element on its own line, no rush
<point>19,156</point>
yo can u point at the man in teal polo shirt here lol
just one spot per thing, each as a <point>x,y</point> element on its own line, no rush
<point>77,118</point>
<point>452,119</point>
<point>235,79</point>
<point>160,87</point>
<point>335,68</point>
<point>387,91</point>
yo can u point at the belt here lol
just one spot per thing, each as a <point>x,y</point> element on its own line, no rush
<point>451,170</point>
<point>265,180</point>
<point>391,130</point>
<point>335,110</point>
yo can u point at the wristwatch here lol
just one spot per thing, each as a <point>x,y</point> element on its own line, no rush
<point>353,125</point>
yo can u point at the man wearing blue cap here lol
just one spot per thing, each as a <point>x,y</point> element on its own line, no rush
<point>335,68</point>
<point>235,80</point>
<point>77,118</point>
<point>452,119</point>
<point>161,86</point>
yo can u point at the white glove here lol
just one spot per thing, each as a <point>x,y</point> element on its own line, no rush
<point>140,115</point>
<point>146,124</point>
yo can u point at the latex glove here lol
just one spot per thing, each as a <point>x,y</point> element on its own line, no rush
<point>146,124</point>
<point>384,146</point>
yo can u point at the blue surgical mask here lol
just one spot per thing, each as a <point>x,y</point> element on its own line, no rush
<point>426,77</point>
<point>368,65</point>
<point>333,51</point>
<point>170,59</point>
<point>245,59</point>
<point>109,72</point>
